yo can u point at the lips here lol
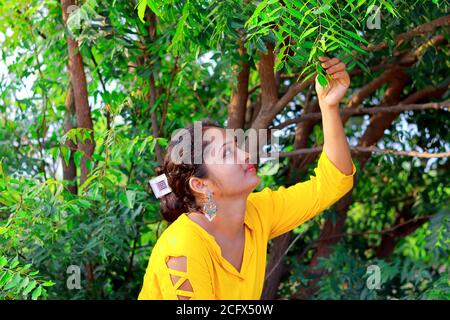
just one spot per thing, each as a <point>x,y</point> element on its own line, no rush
<point>251,168</point>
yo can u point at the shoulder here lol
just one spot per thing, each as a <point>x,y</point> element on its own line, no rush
<point>261,199</point>
<point>179,239</point>
<point>264,202</point>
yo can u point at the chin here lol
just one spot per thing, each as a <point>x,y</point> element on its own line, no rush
<point>255,180</point>
<point>248,184</point>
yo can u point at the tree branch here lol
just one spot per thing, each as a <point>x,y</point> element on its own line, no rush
<point>362,111</point>
<point>239,96</point>
<point>370,149</point>
<point>419,30</point>
<point>166,101</point>
<point>269,90</point>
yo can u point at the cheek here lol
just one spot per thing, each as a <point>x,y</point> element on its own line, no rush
<point>236,181</point>
<point>232,171</point>
<point>231,175</point>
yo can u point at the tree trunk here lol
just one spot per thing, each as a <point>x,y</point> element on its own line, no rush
<point>78,81</point>
<point>272,281</point>
<point>70,122</point>
<point>239,96</point>
<point>82,111</point>
<point>153,94</point>
<point>269,89</point>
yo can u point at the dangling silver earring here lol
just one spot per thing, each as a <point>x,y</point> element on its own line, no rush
<point>209,207</point>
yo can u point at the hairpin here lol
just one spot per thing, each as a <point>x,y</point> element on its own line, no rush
<point>160,186</point>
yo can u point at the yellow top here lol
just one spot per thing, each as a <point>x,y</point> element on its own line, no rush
<point>268,214</point>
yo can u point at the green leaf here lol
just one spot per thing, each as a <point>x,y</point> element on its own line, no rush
<point>356,36</point>
<point>66,154</point>
<point>14,262</point>
<point>308,32</point>
<point>179,31</point>
<point>77,157</point>
<point>144,144</point>
<point>154,6</point>
<point>390,8</point>
<point>48,283</point>
<point>84,203</point>
<point>153,145</point>
<point>142,5</point>
<point>278,66</point>
<point>131,196</point>
<point>54,152</point>
<point>24,283</point>
<point>3,261</point>
<point>157,102</point>
<point>322,80</point>
<point>357,48</point>
<point>363,66</point>
<point>36,293</point>
<point>13,282</point>
<point>123,198</point>
<point>256,13</point>
<point>351,65</point>
<point>261,45</point>
<point>5,278</point>
<point>321,9</point>
<point>89,164</point>
<point>163,142</point>
<point>295,13</point>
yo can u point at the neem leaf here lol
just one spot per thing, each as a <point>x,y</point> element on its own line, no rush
<point>30,287</point>
<point>142,5</point>
<point>36,293</point>
<point>322,80</point>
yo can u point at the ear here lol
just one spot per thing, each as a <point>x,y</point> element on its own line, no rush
<point>198,185</point>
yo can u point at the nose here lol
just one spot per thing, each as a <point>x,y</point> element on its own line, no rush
<point>244,156</point>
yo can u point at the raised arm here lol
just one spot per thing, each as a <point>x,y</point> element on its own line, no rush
<point>335,141</point>
<point>286,208</point>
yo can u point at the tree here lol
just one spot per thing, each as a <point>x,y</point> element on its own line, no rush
<point>132,72</point>
<point>80,94</point>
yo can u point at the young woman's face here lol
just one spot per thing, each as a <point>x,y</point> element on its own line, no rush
<point>228,166</point>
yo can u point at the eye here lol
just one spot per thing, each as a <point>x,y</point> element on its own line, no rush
<point>228,151</point>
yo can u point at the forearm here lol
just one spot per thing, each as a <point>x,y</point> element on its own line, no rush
<point>335,142</point>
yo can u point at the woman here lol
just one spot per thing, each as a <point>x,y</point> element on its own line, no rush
<point>224,257</point>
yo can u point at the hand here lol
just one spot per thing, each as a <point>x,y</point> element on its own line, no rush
<point>331,95</point>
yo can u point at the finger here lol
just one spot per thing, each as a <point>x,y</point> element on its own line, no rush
<point>339,75</point>
<point>323,58</point>
<point>336,68</point>
<point>330,63</point>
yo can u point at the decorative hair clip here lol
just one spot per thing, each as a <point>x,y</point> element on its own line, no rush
<point>160,186</point>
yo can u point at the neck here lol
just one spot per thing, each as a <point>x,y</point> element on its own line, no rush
<point>229,221</point>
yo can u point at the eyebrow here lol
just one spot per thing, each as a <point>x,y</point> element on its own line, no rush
<point>225,144</point>
<point>234,140</point>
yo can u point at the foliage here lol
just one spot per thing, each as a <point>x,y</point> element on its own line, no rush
<point>305,29</point>
<point>18,281</point>
<point>110,225</point>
